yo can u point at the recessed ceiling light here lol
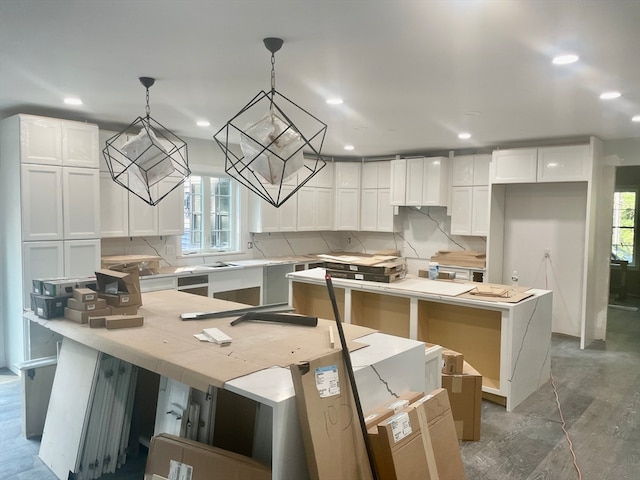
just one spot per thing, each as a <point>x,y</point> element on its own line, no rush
<point>635,118</point>
<point>203,123</point>
<point>73,101</point>
<point>349,147</point>
<point>335,101</point>
<point>610,95</point>
<point>565,59</point>
<point>464,136</point>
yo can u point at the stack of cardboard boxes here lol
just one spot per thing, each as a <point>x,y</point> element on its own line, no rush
<point>109,299</point>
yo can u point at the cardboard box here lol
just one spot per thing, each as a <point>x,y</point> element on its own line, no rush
<point>199,461</point>
<point>85,295</point>
<point>123,321</point>
<point>122,299</point>
<point>465,396</point>
<point>369,277</point>
<point>97,304</point>
<point>441,446</point>
<point>49,307</point>
<point>130,310</point>
<point>419,442</point>
<point>82,316</point>
<point>119,288</point>
<point>65,286</point>
<point>384,411</point>
<point>37,287</point>
<point>452,362</point>
<point>384,268</point>
<point>335,448</point>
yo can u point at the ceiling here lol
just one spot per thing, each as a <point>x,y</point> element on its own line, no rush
<point>413,74</point>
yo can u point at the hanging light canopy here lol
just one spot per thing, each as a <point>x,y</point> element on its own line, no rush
<point>150,164</point>
<point>264,142</point>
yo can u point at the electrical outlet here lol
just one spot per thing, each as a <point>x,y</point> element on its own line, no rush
<point>170,249</point>
<point>250,245</point>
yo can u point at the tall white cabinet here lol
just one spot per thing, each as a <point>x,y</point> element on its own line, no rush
<point>50,186</point>
<point>470,195</point>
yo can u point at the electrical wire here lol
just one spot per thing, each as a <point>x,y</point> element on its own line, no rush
<point>553,382</point>
<point>564,429</point>
<point>428,215</point>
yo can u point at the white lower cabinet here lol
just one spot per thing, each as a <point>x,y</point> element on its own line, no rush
<point>40,260</point>
<point>81,257</point>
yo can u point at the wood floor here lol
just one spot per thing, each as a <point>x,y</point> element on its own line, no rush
<point>598,389</point>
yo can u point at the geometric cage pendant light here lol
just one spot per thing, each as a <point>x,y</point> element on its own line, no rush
<point>272,142</point>
<point>146,158</point>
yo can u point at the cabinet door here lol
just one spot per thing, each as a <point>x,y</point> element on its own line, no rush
<point>480,211</point>
<point>514,166</point>
<point>81,257</point>
<point>80,145</point>
<point>114,208</point>
<point>369,175</point>
<point>386,217</point>
<point>143,218</point>
<point>325,177</point>
<point>369,210</point>
<point>288,211</point>
<point>462,170</point>
<point>384,174</point>
<point>564,164</point>
<point>347,175</point>
<point>40,140</point>
<point>415,174</point>
<point>41,202</point>
<point>347,209</point>
<point>434,182</point>
<point>81,201</point>
<point>398,181</point>
<point>40,260</point>
<point>481,164</point>
<point>171,209</point>
<point>324,210</point>
<point>461,210</point>
<point>306,209</point>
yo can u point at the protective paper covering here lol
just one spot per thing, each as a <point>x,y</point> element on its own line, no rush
<point>283,156</point>
<point>150,161</point>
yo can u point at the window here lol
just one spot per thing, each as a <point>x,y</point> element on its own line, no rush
<point>623,242</point>
<point>210,218</point>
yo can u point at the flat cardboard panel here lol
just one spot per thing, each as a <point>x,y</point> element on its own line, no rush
<point>204,461</point>
<point>334,443</point>
<point>165,344</point>
<point>465,396</point>
<point>386,313</point>
<point>475,333</point>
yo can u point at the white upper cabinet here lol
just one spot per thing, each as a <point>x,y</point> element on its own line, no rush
<point>564,164</point>
<point>265,218</point>
<point>81,203</point>
<point>376,211</point>
<point>42,217</point>
<point>469,194</point>
<point>470,170</point>
<point>171,208</point>
<point>114,208</point>
<point>398,181</point>
<point>514,166</point>
<point>80,145</point>
<point>347,195</point>
<point>572,163</point>
<point>419,181</point>
<point>435,181</point>
<point>40,140</point>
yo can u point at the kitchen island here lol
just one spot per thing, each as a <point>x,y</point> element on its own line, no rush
<point>508,343</point>
<point>254,366</point>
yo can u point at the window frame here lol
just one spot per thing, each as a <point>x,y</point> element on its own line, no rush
<point>205,215</point>
<point>636,191</point>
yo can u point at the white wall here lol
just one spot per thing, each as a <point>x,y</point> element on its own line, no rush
<point>548,216</point>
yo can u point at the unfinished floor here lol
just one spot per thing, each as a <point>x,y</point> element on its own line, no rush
<point>598,389</point>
